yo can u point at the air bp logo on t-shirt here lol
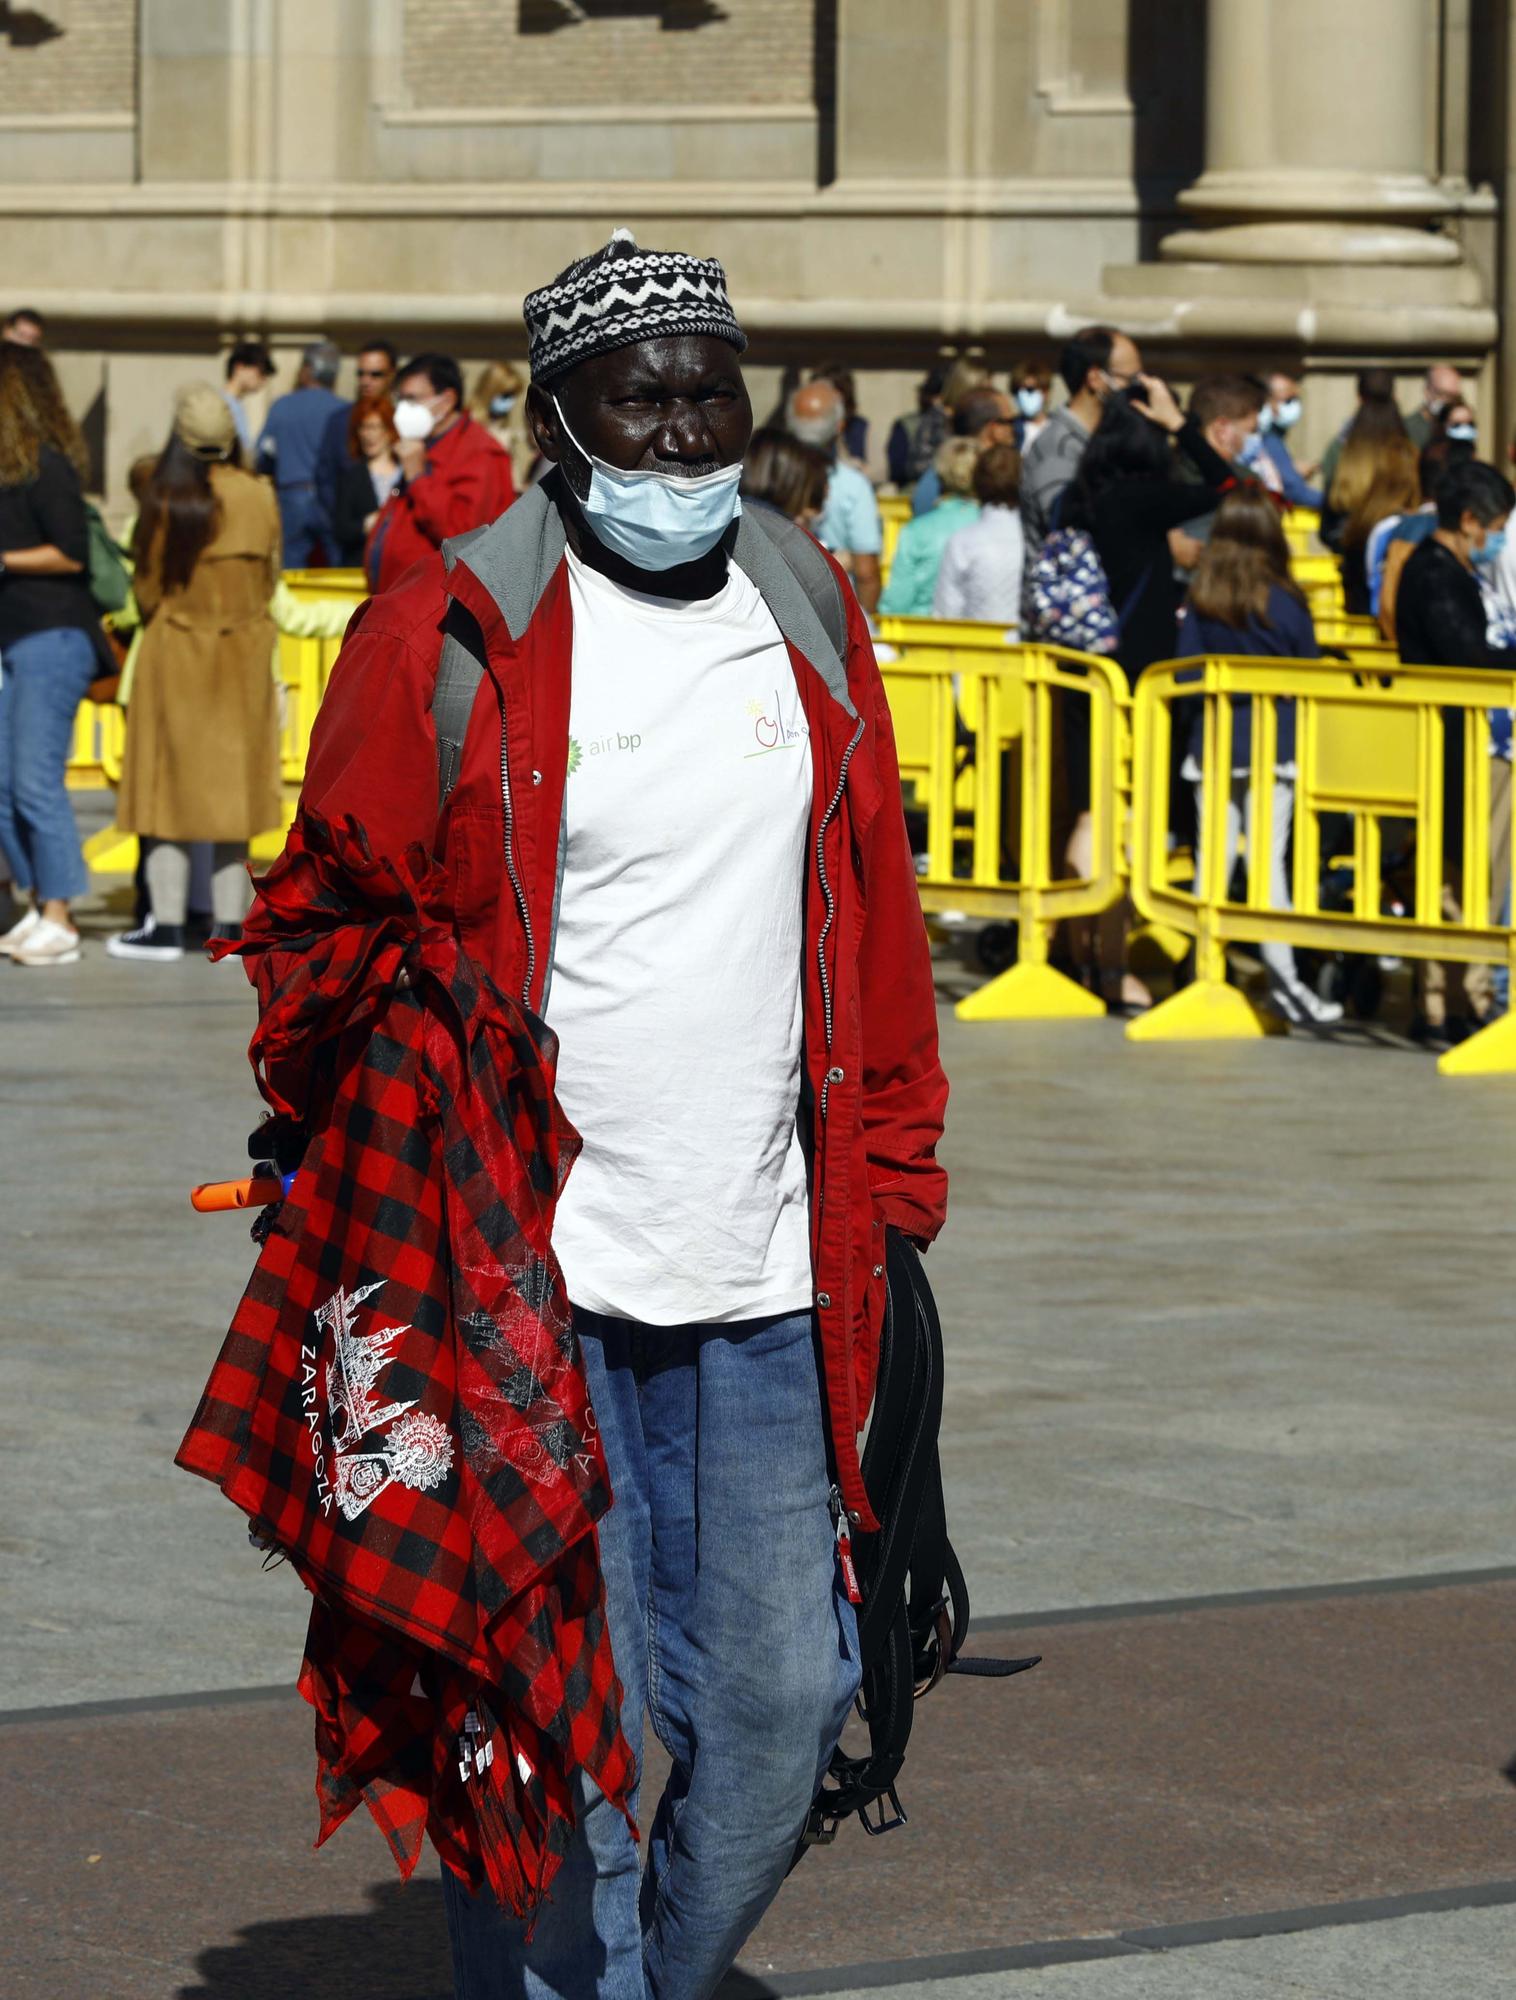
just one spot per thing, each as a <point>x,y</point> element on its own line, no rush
<point>622,740</point>
<point>774,726</point>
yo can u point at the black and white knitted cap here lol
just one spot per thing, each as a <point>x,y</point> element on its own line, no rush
<point>621,295</point>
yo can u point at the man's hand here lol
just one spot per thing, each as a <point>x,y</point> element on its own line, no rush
<point>1157,404</point>
<point>866,581</point>
<point>411,453</point>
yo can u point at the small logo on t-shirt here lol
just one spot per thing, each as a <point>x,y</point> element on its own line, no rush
<point>773,729</point>
<point>603,746</point>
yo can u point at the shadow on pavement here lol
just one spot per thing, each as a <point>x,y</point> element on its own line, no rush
<point>397,1949</point>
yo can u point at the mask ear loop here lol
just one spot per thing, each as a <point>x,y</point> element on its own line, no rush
<point>588,461</point>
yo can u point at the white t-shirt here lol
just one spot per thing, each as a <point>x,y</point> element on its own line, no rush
<point>676,988</point>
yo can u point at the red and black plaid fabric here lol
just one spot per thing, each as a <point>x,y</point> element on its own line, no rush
<point>399,1404</point>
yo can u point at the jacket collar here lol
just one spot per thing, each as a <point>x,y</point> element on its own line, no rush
<point>501,572</point>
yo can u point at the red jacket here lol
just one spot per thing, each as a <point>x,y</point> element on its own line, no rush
<point>874,1092</point>
<point>467,482</point>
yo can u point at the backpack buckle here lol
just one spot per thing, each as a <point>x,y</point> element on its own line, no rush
<point>940,1640</point>
<point>820,1828</point>
<point>891,1813</point>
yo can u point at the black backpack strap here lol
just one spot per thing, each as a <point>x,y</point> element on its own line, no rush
<point>915,1612</point>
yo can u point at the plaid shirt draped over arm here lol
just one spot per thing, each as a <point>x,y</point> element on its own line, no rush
<point>400,1405</point>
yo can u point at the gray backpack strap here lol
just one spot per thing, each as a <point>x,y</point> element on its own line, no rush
<point>514,557</point>
<point>808,566</point>
<point>459,672</point>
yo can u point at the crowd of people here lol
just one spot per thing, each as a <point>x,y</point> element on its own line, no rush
<point>243,489</point>
<point>1120,522</point>
<point>1078,502</point>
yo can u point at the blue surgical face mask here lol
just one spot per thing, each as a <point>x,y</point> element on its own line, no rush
<point>1252,445</point>
<point>1490,551</point>
<point>1461,433</point>
<point>501,406</point>
<point>1284,416</point>
<point>656,520</point>
<point>1029,402</point>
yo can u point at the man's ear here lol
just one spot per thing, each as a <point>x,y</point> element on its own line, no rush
<point>542,419</point>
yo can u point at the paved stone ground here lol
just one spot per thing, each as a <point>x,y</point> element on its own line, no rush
<point>1220,1321</point>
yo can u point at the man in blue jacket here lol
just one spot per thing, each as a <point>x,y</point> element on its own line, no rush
<point>1279,416</point>
<point>290,447</point>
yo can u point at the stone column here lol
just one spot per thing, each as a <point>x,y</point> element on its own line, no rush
<point>1317,121</point>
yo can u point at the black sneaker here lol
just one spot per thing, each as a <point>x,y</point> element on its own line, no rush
<point>152,944</point>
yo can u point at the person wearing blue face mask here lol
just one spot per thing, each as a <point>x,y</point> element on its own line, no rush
<point>1442,620</point>
<point>497,400</point>
<point>1278,418</point>
<point>1031,385</point>
<point>1458,424</point>
<point>670,822</point>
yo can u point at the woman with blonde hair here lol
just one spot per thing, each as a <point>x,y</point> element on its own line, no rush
<point>1376,478</point>
<point>1244,600</point>
<point>498,401</point>
<point>202,736</point>
<point>918,553</point>
<point>51,648</point>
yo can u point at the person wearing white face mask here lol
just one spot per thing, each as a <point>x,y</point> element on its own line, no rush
<point>453,474</point>
<point>1279,416</point>
<point>641,731</point>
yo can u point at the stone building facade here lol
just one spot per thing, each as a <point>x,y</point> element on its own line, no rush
<point>1239,182</point>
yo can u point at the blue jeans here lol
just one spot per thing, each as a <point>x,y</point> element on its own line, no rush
<point>42,682</point>
<point>304,523</point>
<point>729,1629</point>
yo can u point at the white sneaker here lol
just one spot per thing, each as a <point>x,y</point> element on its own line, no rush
<point>1300,1004</point>
<point>48,944</point>
<point>20,932</point>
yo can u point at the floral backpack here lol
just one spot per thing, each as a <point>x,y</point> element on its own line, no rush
<point>1066,598</point>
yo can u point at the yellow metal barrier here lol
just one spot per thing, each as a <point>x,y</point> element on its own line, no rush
<point>94,758</point>
<point>1359,637</point>
<point>1301,527</point>
<point>1369,747</point>
<point>1320,578</point>
<point>1003,866</point>
<point>894,512</point>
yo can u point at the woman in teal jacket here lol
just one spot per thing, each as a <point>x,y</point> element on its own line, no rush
<point>918,553</point>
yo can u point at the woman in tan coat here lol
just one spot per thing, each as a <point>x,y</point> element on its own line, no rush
<point>202,738</point>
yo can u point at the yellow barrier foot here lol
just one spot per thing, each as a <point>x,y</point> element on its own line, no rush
<point>1031,993</point>
<point>1173,944</point>
<point>1492,1052</point>
<point>111,852</point>
<point>1204,1012</point>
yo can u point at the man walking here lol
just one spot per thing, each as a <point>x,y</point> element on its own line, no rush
<point>671,821</point>
<point>290,446</point>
